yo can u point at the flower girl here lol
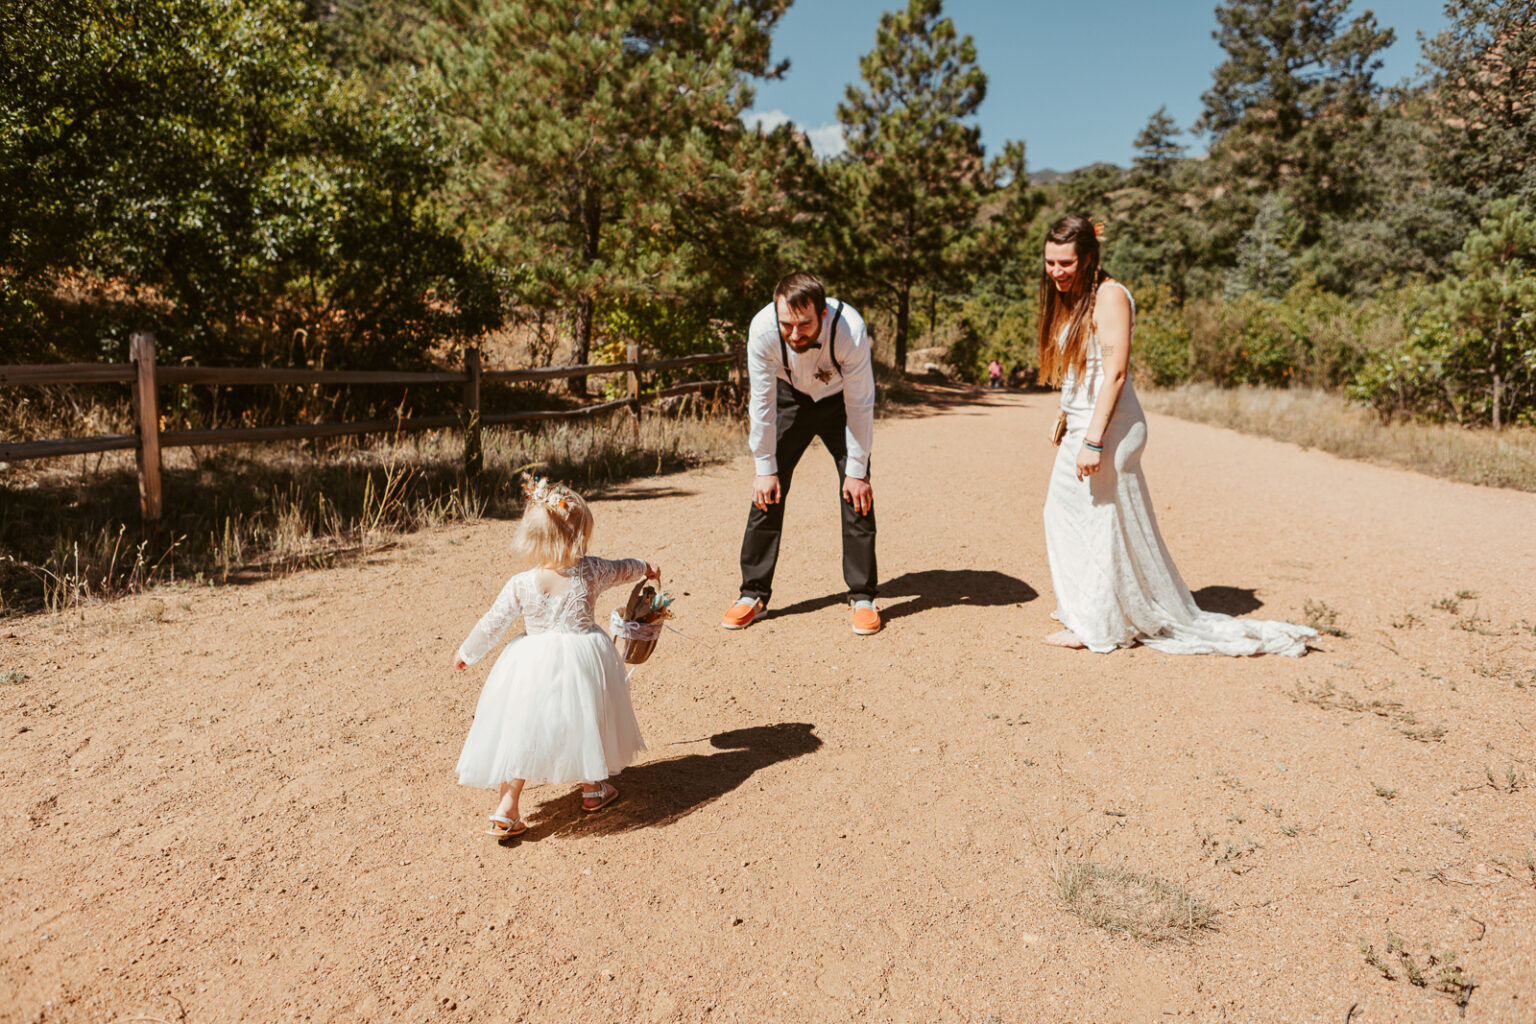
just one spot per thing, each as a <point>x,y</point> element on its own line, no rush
<point>555,707</point>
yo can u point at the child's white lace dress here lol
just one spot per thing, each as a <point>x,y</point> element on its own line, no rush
<point>556,706</point>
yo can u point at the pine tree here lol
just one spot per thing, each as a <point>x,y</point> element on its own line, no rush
<point>920,168</point>
<point>593,124</point>
<point>1151,228</point>
<point>1482,97</point>
<point>1263,260</point>
<point>1491,304</point>
<point>1289,103</point>
<point>1157,154</point>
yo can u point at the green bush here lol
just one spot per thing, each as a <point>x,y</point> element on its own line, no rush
<point>991,327</point>
<point>1471,355</point>
<point>1307,337</point>
<point>1160,351</point>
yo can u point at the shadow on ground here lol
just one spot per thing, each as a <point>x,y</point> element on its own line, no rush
<point>921,396</point>
<point>1228,600</point>
<point>625,493</point>
<point>914,592</point>
<point>660,792</point>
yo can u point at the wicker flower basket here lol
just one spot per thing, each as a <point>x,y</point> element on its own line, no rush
<point>637,638</point>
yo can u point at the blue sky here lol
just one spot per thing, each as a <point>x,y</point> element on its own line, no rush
<point>1075,80</point>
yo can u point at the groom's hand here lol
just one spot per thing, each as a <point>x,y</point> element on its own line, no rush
<point>859,494</point>
<point>765,491</point>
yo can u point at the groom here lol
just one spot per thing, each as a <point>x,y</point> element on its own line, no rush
<point>808,361</point>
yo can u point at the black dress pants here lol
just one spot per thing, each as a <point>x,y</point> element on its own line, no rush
<point>801,420</point>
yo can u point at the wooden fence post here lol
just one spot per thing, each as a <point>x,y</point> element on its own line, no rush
<point>474,460</point>
<point>632,355</point>
<point>141,350</point>
<point>738,371</point>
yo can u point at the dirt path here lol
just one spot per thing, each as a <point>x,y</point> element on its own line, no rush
<point>239,804</point>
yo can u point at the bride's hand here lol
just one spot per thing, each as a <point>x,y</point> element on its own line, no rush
<point>1087,462</point>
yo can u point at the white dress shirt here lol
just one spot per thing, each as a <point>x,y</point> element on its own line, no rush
<point>765,366</point>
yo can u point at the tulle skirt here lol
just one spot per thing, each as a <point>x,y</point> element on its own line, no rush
<point>555,709</point>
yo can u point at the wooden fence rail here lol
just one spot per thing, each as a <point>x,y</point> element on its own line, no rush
<point>147,378</point>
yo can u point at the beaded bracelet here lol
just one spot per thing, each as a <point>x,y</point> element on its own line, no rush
<point>1093,447</point>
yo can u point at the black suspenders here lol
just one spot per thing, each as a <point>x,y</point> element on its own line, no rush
<point>831,344</point>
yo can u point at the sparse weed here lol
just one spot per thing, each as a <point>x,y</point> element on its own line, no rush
<point>1322,618</point>
<point>13,677</point>
<point>1330,697</point>
<point>1526,871</point>
<point>1386,793</point>
<point>1475,623</point>
<point>1421,734</point>
<point>1446,604</point>
<point>1509,781</point>
<point>1232,782</point>
<point>1458,829</point>
<point>1439,971</point>
<point>1407,621</point>
<point>1229,853</point>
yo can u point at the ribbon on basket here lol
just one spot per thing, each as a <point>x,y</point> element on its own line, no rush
<point>619,626</point>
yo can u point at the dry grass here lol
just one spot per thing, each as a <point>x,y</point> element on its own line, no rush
<point>70,530</point>
<point>1141,906</point>
<point>1321,419</point>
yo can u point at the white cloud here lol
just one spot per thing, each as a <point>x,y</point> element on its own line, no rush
<point>826,141</point>
<point>765,120</point>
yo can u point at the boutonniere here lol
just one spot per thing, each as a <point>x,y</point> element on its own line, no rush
<point>824,375</point>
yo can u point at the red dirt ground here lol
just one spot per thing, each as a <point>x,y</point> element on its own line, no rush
<point>239,803</point>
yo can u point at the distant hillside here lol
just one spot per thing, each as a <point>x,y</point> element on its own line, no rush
<point>1047,176</point>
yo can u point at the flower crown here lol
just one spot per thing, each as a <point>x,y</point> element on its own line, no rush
<point>553,496</point>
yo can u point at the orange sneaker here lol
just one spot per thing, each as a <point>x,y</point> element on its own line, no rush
<point>866,621</point>
<point>742,614</point>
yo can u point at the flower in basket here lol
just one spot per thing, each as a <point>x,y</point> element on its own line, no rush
<point>649,605</point>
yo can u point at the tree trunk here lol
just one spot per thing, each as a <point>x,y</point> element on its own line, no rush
<point>581,337</point>
<point>1498,383</point>
<point>581,341</point>
<point>903,324</point>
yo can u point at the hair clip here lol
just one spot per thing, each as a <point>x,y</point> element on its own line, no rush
<point>553,496</point>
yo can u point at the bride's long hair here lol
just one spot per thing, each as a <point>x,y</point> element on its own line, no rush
<point>1071,311</point>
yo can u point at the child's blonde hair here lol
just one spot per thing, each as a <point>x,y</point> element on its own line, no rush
<point>556,525</point>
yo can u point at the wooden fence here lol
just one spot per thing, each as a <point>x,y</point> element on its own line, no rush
<point>146,379</point>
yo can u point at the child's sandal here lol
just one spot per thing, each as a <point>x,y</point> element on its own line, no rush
<point>605,794</point>
<point>505,828</point>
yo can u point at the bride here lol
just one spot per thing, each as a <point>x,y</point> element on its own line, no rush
<point>1115,582</point>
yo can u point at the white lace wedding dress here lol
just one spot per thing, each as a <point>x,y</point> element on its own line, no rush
<point>1115,582</point>
<point>556,706</point>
